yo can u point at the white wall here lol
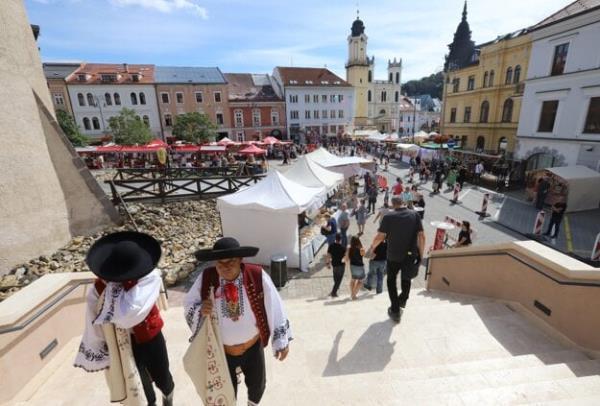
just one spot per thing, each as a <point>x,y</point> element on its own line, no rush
<point>150,109</point>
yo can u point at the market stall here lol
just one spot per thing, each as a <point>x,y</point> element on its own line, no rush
<point>310,174</point>
<point>578,186</point>
<point>347,166</point>
<point>265,215</point>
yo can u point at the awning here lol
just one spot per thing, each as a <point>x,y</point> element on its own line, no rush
<point>185,148</point>
<point>212,149</point>
<point>252,150</point>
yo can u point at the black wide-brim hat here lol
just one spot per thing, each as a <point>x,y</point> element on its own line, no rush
<point>123,256</point>
<point>225,248</point>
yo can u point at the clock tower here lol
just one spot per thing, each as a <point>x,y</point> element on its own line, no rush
<point>357,72</point>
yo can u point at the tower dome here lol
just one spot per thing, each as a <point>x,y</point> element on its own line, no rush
<point>358,27</point>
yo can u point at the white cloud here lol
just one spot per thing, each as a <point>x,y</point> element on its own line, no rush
<point>165,6</point>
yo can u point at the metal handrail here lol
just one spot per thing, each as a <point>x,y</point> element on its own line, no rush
<point>44,309</point>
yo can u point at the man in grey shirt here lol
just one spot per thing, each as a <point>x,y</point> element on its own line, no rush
<point>343,224</point>
<point>403,231</point>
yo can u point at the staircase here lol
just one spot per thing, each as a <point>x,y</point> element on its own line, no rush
<point>448,349</point>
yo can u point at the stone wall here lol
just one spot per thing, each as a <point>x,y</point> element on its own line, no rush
<point>46,196</point>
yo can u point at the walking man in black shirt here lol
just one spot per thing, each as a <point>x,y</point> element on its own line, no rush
<point>403,231</point>
<point>335,256</point>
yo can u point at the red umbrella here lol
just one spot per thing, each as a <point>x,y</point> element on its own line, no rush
<point>270,140</point>
<point>225,141</point>
<point>109,148</point>
<point>252,150</point>
<point>186,148</point>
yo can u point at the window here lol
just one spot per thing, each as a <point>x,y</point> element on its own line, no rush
<point>220,120</point>
<point>548,116</point>
<point>369,96</point>
<point>332,114</point>
<point>397,77</point>
<point>146,120</point>
<point>370,77</point>
<point>108,78</point>
<point>453,115</point>
<point>315,98</point>
<point>382,112</point>
<point>455,85</point>
<point>179,98</point>
<point>81,99</point>
<point>59,100</point>
<point>239,118</point>
<point>324,115</point>
<point>332,129</point>
<point>217,97</point>
<point>325,127</point>
<point>486,78</point>
<point>396,96</point>
<point>467,116</point>
<point>133,98</point>
<point>240,136</point>
<point>340,98</point>
<point>294,115</point>
<point>293,98</point>
<point>491,81</point>
<point>560,59</point>
<point>86,123</point>
<point>168,120</point>
<point>517,75</point>
<point>107,99</point>
<point>142,98</point>
<point>198,97</point>
<point>96,123</point>
<point>332,98</point>
<point>117,98</point>
<point>307,114</point>
<point>306,98</point>
<point>256,118</point>
<point>507,110</point>
<point>471,82</point>
<point>164,97</point>
<point>480,143</point>
<point>592,121</point>
<point>275,117</point>
<point>391,77</point>
<point>316,114</point>
<point>509,74</point>
<point>340,113</point>
<point>81,77</point>
<point>484,113</point>
<point>324,98</point>
<point>135,77</point>
<point>383,95</point>
<point>90,100</point>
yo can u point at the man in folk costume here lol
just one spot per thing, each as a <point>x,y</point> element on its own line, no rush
<point>249,311</point>
<point>123,324</point>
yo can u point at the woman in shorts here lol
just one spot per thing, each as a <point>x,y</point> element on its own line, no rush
<point>354,257</point>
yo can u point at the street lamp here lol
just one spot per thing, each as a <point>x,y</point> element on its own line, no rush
<point>99,105</point>
<point>414,117</point>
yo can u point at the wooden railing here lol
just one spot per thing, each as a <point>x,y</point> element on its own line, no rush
<point>175,173</point>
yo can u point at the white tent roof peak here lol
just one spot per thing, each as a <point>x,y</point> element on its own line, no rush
<point>327,159</point>
<point>574,172</point>
<point>275,192</point>
<point>310,174</point>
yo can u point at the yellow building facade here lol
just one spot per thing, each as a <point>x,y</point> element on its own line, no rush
<point>482,101</point>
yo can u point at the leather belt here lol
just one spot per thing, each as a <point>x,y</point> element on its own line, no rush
<point>239,349</point>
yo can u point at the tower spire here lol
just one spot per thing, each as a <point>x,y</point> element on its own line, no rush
<point>464,13</point>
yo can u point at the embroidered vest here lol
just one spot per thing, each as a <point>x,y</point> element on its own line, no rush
<point>252,279</point>
<point>149,327</point>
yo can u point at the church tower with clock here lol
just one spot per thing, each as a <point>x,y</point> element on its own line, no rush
<point>357,72</point>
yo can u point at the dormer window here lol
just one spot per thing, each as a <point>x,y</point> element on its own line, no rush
<point>108,78</point>
<point>135,77</point>
<point>324,82</point>
<point>293,82</point>
<point>82,77</point>
<point>337,82</point>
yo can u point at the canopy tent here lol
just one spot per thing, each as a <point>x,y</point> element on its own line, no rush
<point>265,215</point>
<point>225,141</point>
<point>376,136</point>
<point>252,150</point>
<point>420,137</point>
<point>82,150</point>
<point>348,166</point>
<point>393,137</point>
<point>270,140</point>
<point>155,145</point>
<point>185,148</point>
<point>308,173</point>
<point>408,147</point>
<point>583,186</point>
<point>212,149</point>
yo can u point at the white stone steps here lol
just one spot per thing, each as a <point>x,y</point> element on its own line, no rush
<point>579,401</point>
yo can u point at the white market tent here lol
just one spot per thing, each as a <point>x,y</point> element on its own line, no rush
<point>265,215</point>
<point>310,174</point>
<point>584,186</point>
<point>366,133</point>
<point>348,166</point>
<point>408,147</point>
<point>376,137</point>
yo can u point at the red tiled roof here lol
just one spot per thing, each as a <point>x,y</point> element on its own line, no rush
<point>123,71</point>
<point>243,87</point>
<point>310,77</point>
<point>577,7</point>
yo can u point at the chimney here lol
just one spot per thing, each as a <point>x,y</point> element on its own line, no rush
<point>126,67</point>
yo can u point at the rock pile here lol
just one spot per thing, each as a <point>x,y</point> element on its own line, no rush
<point>182,227</point>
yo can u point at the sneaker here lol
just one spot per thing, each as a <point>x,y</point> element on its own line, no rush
<point>367,287</point>
<point>394,316</point>
<point>333,295</point>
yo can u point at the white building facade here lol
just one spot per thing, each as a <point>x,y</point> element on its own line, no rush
<point>384,97</point>
<point>318,102</point>
<point>414,117</point>
<point>560,113</point>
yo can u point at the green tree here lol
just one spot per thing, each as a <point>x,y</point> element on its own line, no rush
<point>432,85</point>
<point>71,129</point>
<point>193,127</point>
<point>129,129</point>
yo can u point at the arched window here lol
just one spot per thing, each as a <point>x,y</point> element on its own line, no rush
<point>138,118</point>
<point>517,77</point>
<point>81,99</point>
<point>491,81</point>
<point>107,99</point>
<point>133,98</point>
<point>370,76</point>
<point>146,120</point>
<point>90,99</point>
<point>485,79</point>
<point>480,143</point>
<point>396,96</point>
<point>382,112</point>
<point>484,112</point>
<point>96,123</point>
<point>142,98</point>
<point>86,123</point>
<point>384,96</point>
<point>391,77</point>
<point>369,96</point>
<point>509,75</point>
<point>397,77</point>
<point>117,98</point>
<point>507,111</point>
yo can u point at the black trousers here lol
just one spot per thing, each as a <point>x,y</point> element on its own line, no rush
<point>152,362</point>
<point>397,301</point>
<point>371,206</point>
<point>554,221</point>
<point>252,364</point>
<point>338,275</point>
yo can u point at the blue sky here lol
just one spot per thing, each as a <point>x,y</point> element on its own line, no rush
<point>255,36</point>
